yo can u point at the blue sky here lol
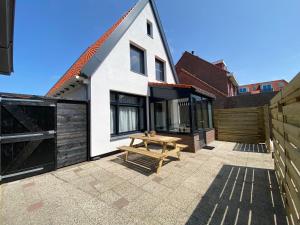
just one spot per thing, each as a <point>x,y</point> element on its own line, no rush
<point>259,40</point>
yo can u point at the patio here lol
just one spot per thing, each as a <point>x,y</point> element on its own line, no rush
<point>231,184</point>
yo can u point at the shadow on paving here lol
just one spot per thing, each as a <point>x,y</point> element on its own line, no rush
<point>241,196</point>
<point>257,148</point>
<point>141,164</point>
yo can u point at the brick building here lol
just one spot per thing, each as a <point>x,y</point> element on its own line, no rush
<point>269,86</point>
<point>212,77</point>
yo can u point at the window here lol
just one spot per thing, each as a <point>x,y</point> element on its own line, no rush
<point>280,84</point>
<point>160,112</point>
<point>160,70</point>
<point>127,113</point>
<point>202,113</point>
<point>267,88</point>
<point>137,60</point>
<point>243,90</point>
<point>179,115</point>
<point>149,29</point>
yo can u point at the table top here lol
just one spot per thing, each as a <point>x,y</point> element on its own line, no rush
<point>158,138</point>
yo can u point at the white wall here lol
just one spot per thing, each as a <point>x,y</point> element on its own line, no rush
<point>114,74</point>
<point>78,93</point>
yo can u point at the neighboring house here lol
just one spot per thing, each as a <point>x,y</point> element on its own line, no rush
<point>7,13</point>
<point>270,86</point>
<point>129,79</point>
<point>212,77</point>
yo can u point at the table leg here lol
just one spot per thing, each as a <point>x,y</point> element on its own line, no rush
<point>146,145</point>
<point>131,143</point>
<point>159,165</point>
<point>164,147</point>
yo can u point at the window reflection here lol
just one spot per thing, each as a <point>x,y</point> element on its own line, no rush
<point>179,116</point>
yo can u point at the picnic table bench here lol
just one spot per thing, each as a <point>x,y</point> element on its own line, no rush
<point>169,147</point>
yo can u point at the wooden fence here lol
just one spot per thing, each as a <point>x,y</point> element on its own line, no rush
<point>244,125</point>
<point>285,116</point>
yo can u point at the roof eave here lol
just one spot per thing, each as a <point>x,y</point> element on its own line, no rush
<point>7,15</point>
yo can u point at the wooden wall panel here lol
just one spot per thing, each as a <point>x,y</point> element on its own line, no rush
<point>285,116</point>
<point>72,145</point>
<point>240,125</point>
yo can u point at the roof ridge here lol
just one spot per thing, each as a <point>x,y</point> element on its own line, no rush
<point>210,63</point>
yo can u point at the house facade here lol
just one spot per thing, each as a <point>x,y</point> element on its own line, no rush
<point>212,77</point>
<point>269,86</point>
<point>126,75</point>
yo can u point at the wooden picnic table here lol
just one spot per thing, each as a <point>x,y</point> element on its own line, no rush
<point>165,141</point>
<point>170,147</point>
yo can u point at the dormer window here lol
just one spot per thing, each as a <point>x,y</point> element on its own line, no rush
<point>149,29</point>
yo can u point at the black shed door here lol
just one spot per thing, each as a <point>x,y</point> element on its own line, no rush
<point>72,138</point>
<point>27,137</point>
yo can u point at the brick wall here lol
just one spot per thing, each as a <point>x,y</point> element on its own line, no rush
<point>246,100</point>
<point>192,140</point>
<point>204,70</point>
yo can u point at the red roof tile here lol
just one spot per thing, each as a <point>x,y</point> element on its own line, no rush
<point>75,69</point>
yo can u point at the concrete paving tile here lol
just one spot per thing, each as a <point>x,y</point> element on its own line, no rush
<point>139,180</point>
<point>109,197</point>
<point>157,189</point>
<point>120,203</point>
<point>157,179</point>
<point>128,190</point>
<point>166,214</point>
<point>142,206</point>
<point>34,207</point>
<point>182,197</point>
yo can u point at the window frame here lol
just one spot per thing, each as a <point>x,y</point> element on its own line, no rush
<point>137,47</point>
<point>246,90</point>
<point>267,90</point>
<point>157,59</point>
<point>139,106</point>
<point>150,24</point>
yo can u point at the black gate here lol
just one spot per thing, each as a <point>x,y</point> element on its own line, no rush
<point>72,133</point>
<point>39,134</point>
<point>27,136</point>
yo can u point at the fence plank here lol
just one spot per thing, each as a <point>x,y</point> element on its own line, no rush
<point>240,125</point>
<point>285,113</point>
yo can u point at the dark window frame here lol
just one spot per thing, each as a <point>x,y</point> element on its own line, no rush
<point>136,48</point>
<point>149,28</point>
<point>139,106</point>
<point>163,63</point>
<point>267,89</point>
<point>245,90</point>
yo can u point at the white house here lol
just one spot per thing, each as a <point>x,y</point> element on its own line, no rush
<point>130,80</point>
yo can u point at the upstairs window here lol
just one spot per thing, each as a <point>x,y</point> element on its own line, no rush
<point>243,90</point>
<point>137,60</point>
<point>267,88</point>
<point>149,29</point>
<point>160,70</point>
<point>280,84</point>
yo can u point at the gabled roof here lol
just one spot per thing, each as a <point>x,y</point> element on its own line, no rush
<point>76,68</point>
<point>92,58</point>
<point>7,14</point>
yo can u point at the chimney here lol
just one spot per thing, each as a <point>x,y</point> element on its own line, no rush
<point>193,52</point>
<point>221,64</point>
